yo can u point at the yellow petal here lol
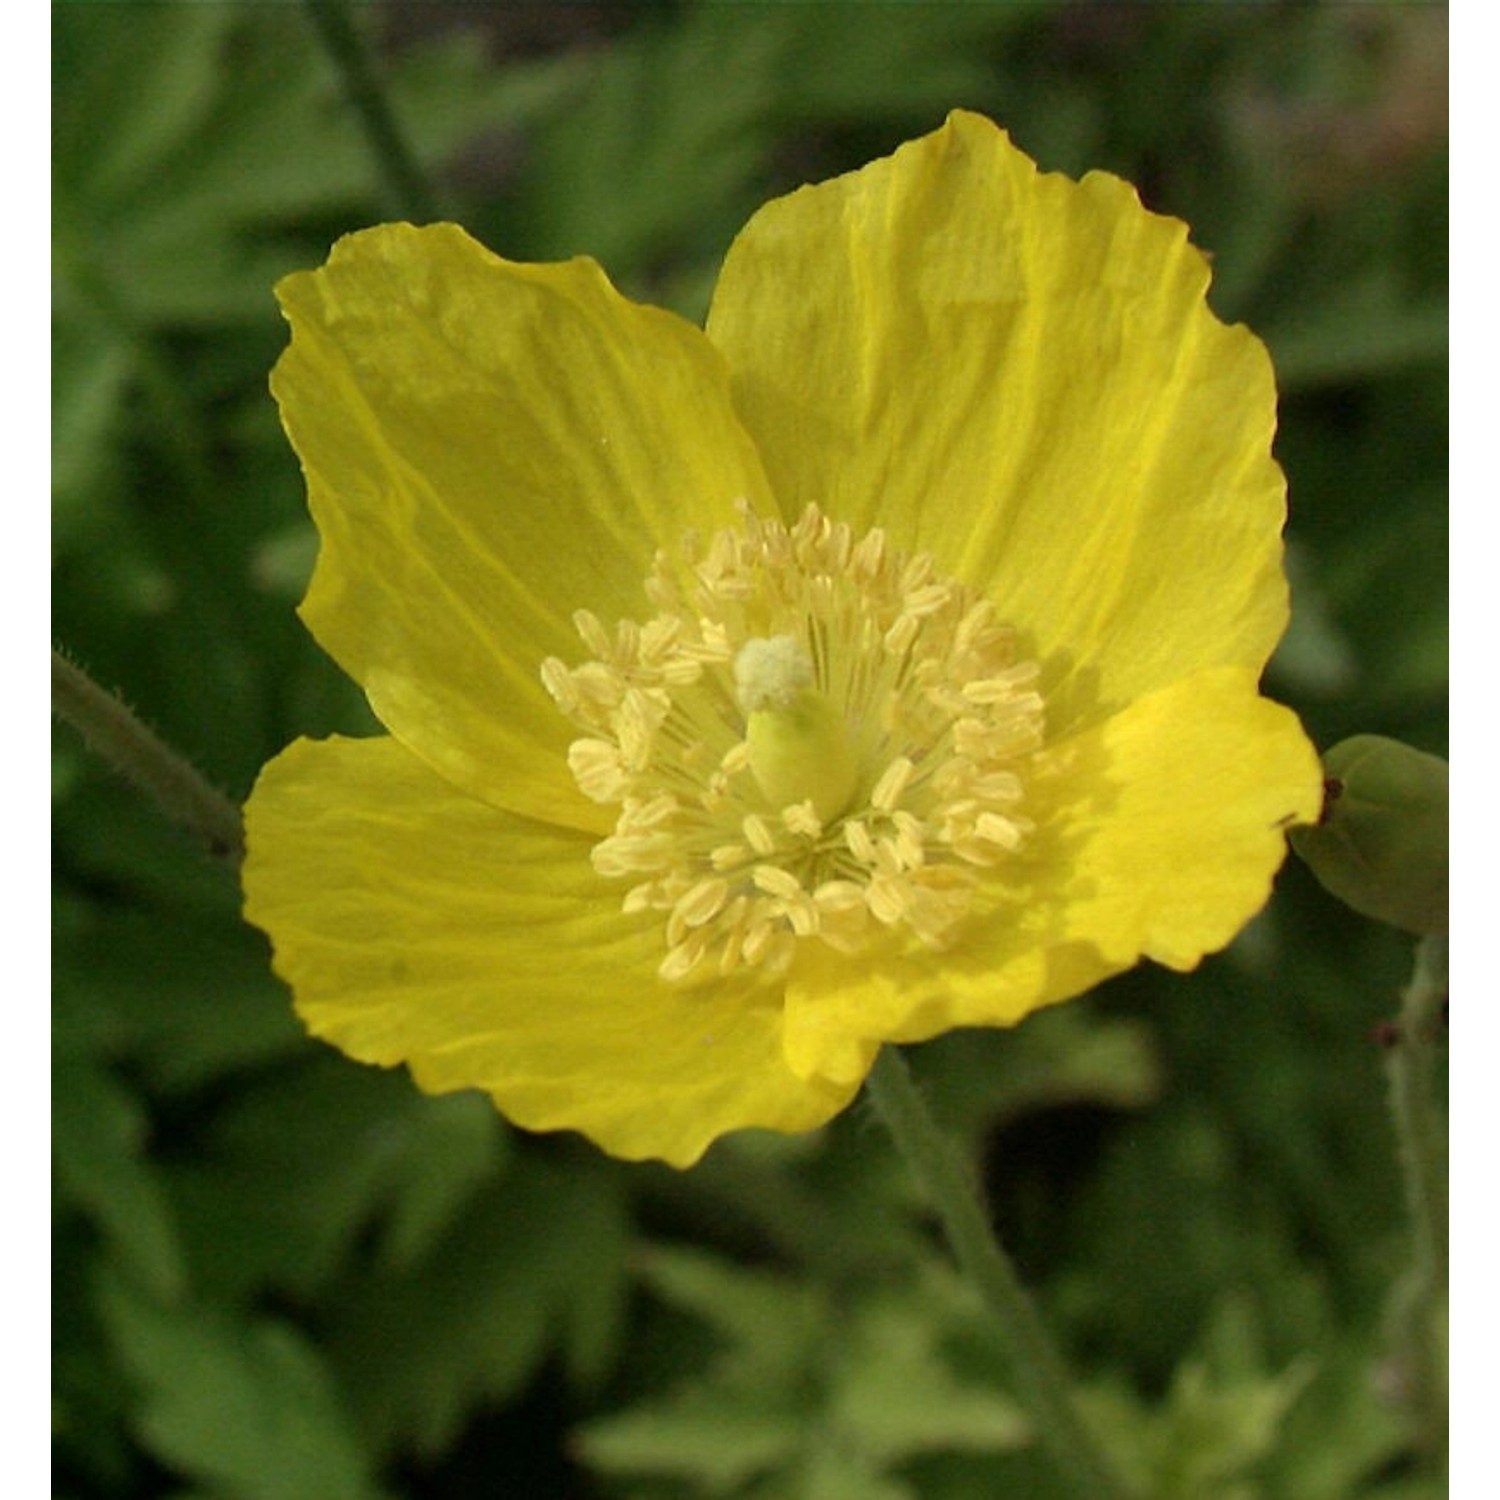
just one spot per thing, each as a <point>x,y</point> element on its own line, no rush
<point>488,448</point>
<point>1019,374</point>
<point>1158,835</point>
<point>417,925</point>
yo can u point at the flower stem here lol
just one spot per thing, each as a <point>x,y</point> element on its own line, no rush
<point>179,791</point>
<point>1419,1306</point>
<point>406,184</point>
<point>1041,1377</point>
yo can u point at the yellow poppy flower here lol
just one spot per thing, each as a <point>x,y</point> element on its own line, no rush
<point>882,658</point>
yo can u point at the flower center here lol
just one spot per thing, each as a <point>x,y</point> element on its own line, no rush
<point>813,738</point>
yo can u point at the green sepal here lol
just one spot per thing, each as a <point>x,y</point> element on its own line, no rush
<point>1381,845</point>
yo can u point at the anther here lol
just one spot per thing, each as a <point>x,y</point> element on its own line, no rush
<point>848,768</point>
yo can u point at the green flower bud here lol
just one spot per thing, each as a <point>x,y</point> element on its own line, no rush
<point>1381,845</point>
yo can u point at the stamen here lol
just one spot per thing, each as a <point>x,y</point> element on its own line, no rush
<point>892,784</point>
<point>775,881</point>
<point>814,739</point>
<point>758,834</point>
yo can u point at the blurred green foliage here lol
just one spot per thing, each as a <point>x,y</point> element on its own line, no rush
<point>280,1276</point>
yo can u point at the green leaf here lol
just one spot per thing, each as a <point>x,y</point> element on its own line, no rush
<point>246,1408</point>
<point>1207,1439</point>
<point>831,1473</point>
<point>91,371</point>
<point>296,1170</point>
<point>1209,1435</point>
<point>149,70</point>
<point>188,1001</point>
<point>455,1145</point>
<point>511,1281</point>
<point>667,106</point>
<point>808,1396</point>
<point>695,1436</point>
<point>1344,1432</point>
<point>99,1131</point>
<point>772,1325</point>
<point>231,127</point>
<point>898,1397</point>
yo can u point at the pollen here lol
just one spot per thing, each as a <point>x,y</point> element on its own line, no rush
<point>772,673</point>
<point>816,738</point>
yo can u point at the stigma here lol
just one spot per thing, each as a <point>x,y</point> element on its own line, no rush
<point>813,739</point>
<point>798,741</point>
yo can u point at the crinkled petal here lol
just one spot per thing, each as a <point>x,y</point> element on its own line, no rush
<point>417,925</point>
<point>1158,835</point>
<point>1019,374</point>
<point>488,448</point>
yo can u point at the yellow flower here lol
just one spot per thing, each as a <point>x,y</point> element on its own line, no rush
<point>882,659</point>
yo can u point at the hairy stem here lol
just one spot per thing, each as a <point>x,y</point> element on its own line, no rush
<point>1420,1303</point>
<point>114,733</point>
<point>1041,1377</point>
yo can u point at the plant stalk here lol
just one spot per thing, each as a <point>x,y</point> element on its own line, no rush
<point>406,186</point>
<point>1041,1377</point>
<point>179,791</point>
<point>1420,1303</point>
